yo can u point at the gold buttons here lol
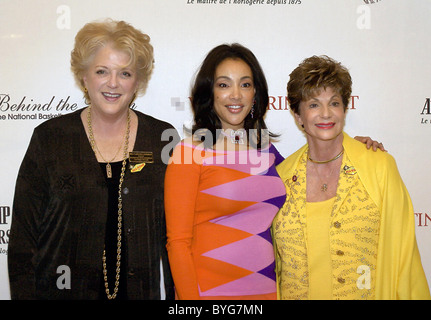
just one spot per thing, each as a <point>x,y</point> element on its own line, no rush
<point>341,280</point>
<point>340,253</point>
<point>337,224</point>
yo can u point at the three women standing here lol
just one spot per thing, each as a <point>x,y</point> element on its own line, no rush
<point>89,193</point>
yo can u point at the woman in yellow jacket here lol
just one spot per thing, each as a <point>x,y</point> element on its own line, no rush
<point>346,230</point>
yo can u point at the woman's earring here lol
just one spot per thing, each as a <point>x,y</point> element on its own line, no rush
<point>133,99</point>
<point>87,102</point>
<point>252,109</point>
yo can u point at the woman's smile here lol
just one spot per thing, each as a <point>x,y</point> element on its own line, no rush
<point>111,97</point>
<point>235,108</point>
<point>325,126</point>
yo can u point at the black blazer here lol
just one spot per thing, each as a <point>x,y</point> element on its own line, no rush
<point>60,208</point>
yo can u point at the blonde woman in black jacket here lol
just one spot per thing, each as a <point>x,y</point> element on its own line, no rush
<point>88,217</point>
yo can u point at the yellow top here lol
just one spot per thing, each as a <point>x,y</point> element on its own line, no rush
<point>372,238</point>
<point>319,259</point>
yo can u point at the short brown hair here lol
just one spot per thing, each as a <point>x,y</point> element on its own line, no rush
<point>314,74</point>
<point>123,37</point>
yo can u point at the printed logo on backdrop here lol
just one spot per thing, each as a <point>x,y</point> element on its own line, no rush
<point>426,112</point>
<point>4,228</point>
<point>28,109</point>
<point>25,108</point>
<point>423,219</point>
<point>280,103</point>
<point>364,19</point>
<point>275,103</point>
<point>372,1</point>
<point>244,2</point>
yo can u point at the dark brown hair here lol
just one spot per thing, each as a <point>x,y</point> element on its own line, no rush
<point>202,94</point>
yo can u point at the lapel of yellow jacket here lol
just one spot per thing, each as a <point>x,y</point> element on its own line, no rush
<point>293,175</point>
<point>348,176</point>
<point>365,168</point>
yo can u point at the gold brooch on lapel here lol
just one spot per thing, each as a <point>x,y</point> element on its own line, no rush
<point>349,170</point>
<point>137,167</point>
<point>138,160</point>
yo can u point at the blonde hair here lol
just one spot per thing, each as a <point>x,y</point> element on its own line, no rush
<point>122,36</point>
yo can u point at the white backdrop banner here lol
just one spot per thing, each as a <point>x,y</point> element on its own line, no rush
<point>384,43</point>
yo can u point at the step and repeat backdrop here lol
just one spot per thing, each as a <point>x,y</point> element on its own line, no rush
<point>384,43</point>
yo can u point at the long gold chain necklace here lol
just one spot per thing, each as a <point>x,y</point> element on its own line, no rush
<point>120,205</point>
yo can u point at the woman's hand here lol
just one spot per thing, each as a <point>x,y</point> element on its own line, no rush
<point>371,143</point>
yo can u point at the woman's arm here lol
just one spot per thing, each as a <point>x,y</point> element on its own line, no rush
<point>30,201</point>
<point>181,189</point>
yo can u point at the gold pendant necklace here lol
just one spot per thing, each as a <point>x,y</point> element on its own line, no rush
<point>94,145</point>
<point>120,204</point>
<point>324,186</point>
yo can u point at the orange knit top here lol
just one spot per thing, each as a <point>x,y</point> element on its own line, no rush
<point>219,209</point>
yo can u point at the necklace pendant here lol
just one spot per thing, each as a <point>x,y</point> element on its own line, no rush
<point>324,187</point>
<point>237,136</point>
<point>108,170</point>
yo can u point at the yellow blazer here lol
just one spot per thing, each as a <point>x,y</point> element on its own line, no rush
<point>398,271</point>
